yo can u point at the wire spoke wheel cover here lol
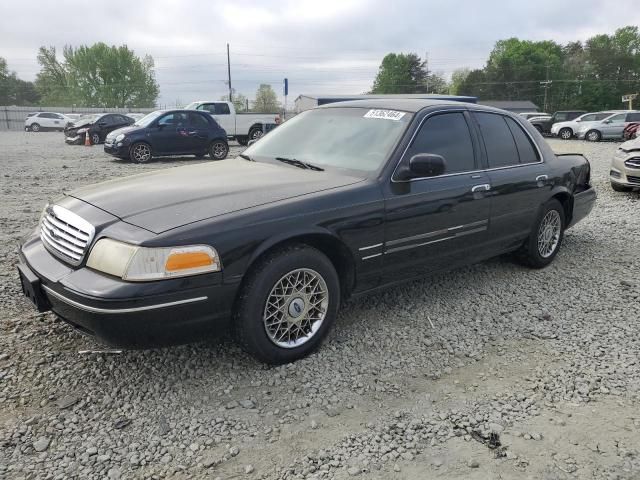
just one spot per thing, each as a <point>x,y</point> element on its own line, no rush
<point>141,153</point>
<point>549,233</point>
<point>295,308</point>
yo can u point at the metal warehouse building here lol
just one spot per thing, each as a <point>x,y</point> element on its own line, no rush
<point>305,102</point>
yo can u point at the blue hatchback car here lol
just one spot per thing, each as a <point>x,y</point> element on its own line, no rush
<point>169,132</point>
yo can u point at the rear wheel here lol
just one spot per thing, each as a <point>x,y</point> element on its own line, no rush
<point>218,150</point>
<point>593,136</point>
<point>565,134</point>
<point>35,127</point>
<point>242,141</point>
<point>546,236</point>
<point>255,133</point>
<point>140,152</point>
<point>287,305</point>
<point>620,188</point>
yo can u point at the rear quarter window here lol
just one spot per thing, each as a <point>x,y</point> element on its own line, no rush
<point>526,150</point>
<point>498,140</point>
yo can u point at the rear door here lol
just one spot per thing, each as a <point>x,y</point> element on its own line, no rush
<point>437,222</point>
<point>518,178</point>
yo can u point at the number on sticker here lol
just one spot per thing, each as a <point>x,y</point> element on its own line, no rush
<point>384,114</point>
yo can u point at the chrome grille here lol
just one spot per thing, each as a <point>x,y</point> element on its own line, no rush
<point>65,234</point>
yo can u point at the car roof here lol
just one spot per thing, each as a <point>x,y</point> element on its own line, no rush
<point>406,104</point>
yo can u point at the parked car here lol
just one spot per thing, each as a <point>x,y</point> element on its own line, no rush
<point>239,126</point>
<point>169,132</point>
<point>41,121</point>
<point>530,115</point>
<point>567,130</point>
<point>97,126</point>
<point>543,125</point>
<point>339,201</point>
<point>631,131</point>
<point>612,127</point>
<point>624,173</point>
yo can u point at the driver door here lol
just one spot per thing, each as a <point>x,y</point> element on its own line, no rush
<point>438,222</point>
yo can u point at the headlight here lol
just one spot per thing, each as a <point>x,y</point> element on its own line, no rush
<point>120,137</point>
<point>139,264</point>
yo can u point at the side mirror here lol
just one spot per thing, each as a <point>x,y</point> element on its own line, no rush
<point>426,165</point>
<point>606,121</point>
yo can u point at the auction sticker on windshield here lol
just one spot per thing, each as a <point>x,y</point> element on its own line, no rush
<point>384,114</point>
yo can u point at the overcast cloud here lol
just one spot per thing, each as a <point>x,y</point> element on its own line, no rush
<point>328,46</point>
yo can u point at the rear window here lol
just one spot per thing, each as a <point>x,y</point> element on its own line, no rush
<point>633,117</point>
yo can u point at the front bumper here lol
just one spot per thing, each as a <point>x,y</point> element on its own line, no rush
<point>622,174</point>
<point>127,314</point>
<point>117,149</point>
<point>74,139</point>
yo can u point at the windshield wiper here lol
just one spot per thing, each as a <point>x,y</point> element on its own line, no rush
<point>300,164</point>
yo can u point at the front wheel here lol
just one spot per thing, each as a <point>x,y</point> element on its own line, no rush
<point>287,305</point>
<point>255,133</point>
<point>95,138</point>
<point>593,136</point>
<point>565,134</point>
<point>140,152</point>
<point>546,236</point>
<point>35,127</point>
<point>218,150</point>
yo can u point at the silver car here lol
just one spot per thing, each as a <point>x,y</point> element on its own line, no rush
<point>567,130</point>
<point>609,128</point>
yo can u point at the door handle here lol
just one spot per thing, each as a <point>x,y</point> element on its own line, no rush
<point>485,187</point>
<point>541,180</point>
<point>192,132</point>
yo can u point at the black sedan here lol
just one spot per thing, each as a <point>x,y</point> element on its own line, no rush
<point>96,127</point>
<point>339,201</point>
<point>169,132</point>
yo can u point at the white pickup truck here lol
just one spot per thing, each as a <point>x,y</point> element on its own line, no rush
<point>241,126</point>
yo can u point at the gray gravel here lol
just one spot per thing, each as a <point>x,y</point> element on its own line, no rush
<point>412,383</point>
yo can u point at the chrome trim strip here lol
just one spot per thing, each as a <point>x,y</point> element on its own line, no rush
<point>372,256</point>
<point>393,180</point>
<point>88,308</point>
<point>435,233</point>
<point>370,247</point>
<point>456,235</point>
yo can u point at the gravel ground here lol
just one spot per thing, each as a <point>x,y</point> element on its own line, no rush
<point>410,384</point>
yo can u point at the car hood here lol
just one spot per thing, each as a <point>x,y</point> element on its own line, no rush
<point>82,123</point>
<point>125,130</point>
<point>631,145</point>
<point>169,198</point>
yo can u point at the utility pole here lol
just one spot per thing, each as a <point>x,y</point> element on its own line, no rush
<point>426,68</point>
<point>229,73</point>
<point>547,83</point>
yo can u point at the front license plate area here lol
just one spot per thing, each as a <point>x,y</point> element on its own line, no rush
<point>31,288</point>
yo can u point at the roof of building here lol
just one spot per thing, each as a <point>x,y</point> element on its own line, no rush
<point>507,104</point>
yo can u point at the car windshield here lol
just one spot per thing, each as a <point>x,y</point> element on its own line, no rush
<point>148,119</point>
<point>350,138</point>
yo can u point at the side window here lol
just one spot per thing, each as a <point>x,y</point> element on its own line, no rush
<point>208,107</point>
<point>166,120</point>
<point>222,109</point>
<point>561,117</point>
<point>46,115</point>
<point>498,140</point>
<point>526,150</point>
<point>633,117</point>
<point>589,118</point>
<point>601,116</point>
<point>198,120</point>
<point>618,118</point>
<point>448,135</point>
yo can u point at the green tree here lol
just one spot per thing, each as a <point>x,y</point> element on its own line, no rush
<point>97,76</point>
<point>458,77</point>
<point>239,100</point>
<point>407,73</point>
<point>266,100</point>
<point>13,90</point>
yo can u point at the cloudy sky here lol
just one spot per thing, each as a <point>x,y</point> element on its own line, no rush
<point>328,46</point>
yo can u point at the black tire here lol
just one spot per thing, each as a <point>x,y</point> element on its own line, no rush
<point>140,152</point>
<point>530,253</point>
<point>242,140</point>
<point>593,136</point>
<point>218,150</point>
<point>255,133</point>
<point>249,324</point>
<point>95,138</point>
<point>565,133</point>
<point>35,127</point>
<point>620,188</point>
